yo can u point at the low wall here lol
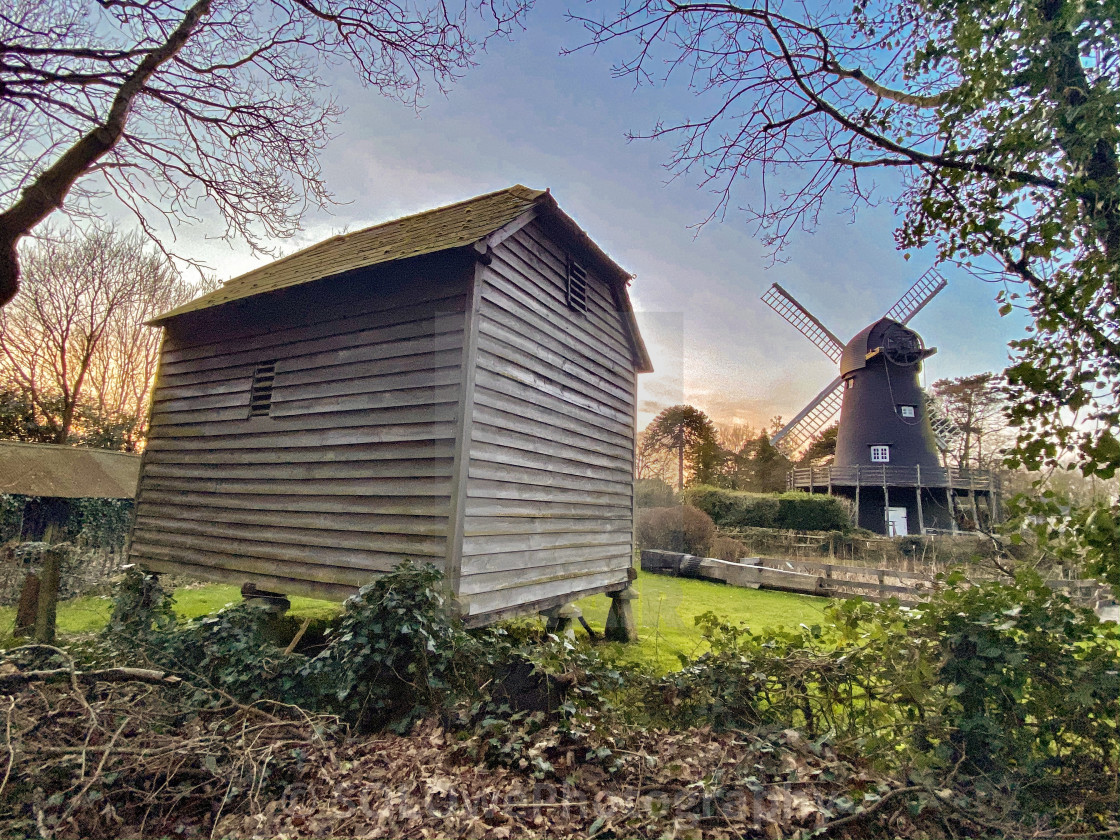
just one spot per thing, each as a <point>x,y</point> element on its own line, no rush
<point>748,573</point>
<point>929,555</point>
<point>817,577</point>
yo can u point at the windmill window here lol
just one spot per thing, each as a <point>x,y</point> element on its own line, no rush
<point>849,383</point>
<point>577,286</point>
<point>880,454</point>
<point>260,396</point>
<point>907,411</point>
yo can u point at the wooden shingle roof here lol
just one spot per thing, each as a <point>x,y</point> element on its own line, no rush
<point>454,226</point>
<point>435,230</point>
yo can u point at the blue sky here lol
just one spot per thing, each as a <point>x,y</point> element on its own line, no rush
<point>528,115</point>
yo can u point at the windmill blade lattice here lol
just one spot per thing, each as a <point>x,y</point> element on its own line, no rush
<point>787,306</point>
<point>945,430</point>
<point>921,293</point>
<point>813,419</point>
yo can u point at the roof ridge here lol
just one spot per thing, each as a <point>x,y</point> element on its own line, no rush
<point>450,226</point>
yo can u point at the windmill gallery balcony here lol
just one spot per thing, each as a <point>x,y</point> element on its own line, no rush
<point>973,492</point>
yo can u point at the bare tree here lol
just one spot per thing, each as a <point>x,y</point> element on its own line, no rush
<point>734,436</point>
<point>651,461</point>
<point>978,405</point>
<point>75,339</point>
<point>172,107</point>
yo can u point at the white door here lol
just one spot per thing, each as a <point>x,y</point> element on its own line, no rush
<point>896,520</point>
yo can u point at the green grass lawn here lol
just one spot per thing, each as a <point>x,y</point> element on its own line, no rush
<point>91,613</point>
<point>666,609</point>
<point>665,613</point>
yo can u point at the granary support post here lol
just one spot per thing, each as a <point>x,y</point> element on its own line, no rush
<point>276,603</point>
<point>620,619</point>
<point>559,620</point>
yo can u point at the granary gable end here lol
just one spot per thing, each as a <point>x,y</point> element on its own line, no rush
<point>456,387</point>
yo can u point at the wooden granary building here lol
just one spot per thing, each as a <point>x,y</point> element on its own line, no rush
<point>456,387</point>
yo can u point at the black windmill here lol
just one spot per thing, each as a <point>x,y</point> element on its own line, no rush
<point>887,459</point>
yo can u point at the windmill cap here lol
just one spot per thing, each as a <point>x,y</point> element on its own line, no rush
<point>888,335</point>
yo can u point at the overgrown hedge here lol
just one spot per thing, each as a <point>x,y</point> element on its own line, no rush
<point>791,511</point>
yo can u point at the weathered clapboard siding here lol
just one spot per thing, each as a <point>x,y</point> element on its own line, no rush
<point>433,397</point>
<point>348,474</point>
<point>432,505</point>
<point>507,492</point>
<point>407,294</point>
<point>520,577</point>
<point>345,453</point>
<point>339,352</point>
<point>343,575</point>
<point>549,492</point>
<point>568,587</point>
<point>193,440</point>
<point>512,560</point>
<point>332,520</point>
<point>297,390</point>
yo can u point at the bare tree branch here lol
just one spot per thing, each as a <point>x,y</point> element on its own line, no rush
<point>174,106</point>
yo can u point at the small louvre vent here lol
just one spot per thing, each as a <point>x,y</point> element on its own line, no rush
<point>260,398</point>
<point>577,287</point>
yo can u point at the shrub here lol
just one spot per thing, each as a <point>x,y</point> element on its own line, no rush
<point>811,512</point>
<point>682,528</point>
<point>398,653</point>
<point>791,511</point>
<point>726,548</point>
<point>653,493</point>
<point>1007,693</point>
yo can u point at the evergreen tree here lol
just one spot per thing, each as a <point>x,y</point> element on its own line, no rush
<point>689,434</point>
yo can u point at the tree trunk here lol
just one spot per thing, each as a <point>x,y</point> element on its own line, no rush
<point>1069,89</point>
<point>28,609</point>
<point>48,597</point>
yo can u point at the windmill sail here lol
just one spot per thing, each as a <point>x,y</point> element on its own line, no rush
<point>921,293</point>
<point>813,419</point>
<point>945,430</point>
<point>787,306</point>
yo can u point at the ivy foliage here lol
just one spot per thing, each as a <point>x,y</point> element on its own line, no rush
<point>395,655</point>
<point>398,652</point>
<point>89,523</point>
